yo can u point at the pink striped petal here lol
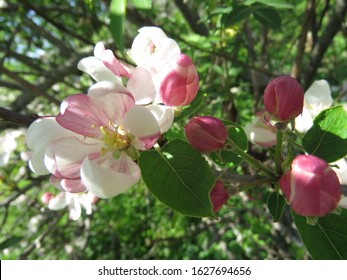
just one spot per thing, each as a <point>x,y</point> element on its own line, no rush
<point>80,115</point>
<point>113,64</point>
<point>106,177</point>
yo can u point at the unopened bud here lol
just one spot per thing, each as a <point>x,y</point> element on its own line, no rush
<point>206,134</point>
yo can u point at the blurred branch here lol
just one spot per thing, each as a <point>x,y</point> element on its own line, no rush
<point>309,14</point>
<point>14,117</point>
<point>334,25</point>
<point>41,237</point>
<point>192,17</point>
<point>43,14</point>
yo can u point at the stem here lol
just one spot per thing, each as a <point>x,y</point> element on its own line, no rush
<point>278,150</point>
<point>249,159</point>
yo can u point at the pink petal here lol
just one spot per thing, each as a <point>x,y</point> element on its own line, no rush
<point>106,177</point>
<point>80,115</point>
<point>112,63</point>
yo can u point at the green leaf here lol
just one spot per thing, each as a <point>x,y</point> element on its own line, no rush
<point>238,14</point>
<point>267,16</point>
<point>327,239</point>
<point>278,4</point>
<point>10,242</point>
<point>276,204</point>
<point>327,138</point>
<point>117,18</point>
<point>228,158</point>
<point>142,4</point>
<point>192,107</point>
<point>180,177</point>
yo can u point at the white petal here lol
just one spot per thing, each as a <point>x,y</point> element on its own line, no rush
<point>97,70</point>
<point>106,177</point>
<point>58,202</point>
<point>99,49</point>
<point>40,134</point>
<point>164,116</point>
<point>64,157</point>
<point>318,97</point>
<point>75,208</point>
<point>140,122</point>
<point>141,86</point>
<point>304,121</point>
<point>37,164</point>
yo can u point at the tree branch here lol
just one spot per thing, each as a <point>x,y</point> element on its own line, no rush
<point>333,26</point>
<point>301,46</point>
<point>14,117</point>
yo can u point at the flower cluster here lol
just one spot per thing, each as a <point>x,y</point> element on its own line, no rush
<point>93,143</point>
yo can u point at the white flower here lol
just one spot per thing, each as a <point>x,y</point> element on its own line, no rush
<point>317,98</point>
<point>8,144</point>
<point>74,201</point>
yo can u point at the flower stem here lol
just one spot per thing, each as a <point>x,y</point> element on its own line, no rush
<point>278,149</point>
<point>249,159</point>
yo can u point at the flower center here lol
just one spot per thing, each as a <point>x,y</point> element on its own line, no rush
<point>115,139</point>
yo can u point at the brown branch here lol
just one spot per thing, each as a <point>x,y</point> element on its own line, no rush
<point>301,46</point>
<point>334,25</point>
<point>14,117</point>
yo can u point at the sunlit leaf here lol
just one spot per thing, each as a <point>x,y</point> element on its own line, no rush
<point>179,177</point>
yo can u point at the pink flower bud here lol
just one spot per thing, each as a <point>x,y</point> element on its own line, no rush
<point>311,187</point>
<point>219,196</point>
<point>284,98</point>
<point>206,134</point>
<point>46,197</point>
<point>179,83</point>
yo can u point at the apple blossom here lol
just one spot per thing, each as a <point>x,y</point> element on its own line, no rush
<point>284,98</point>
<point>311,187</point>
<point>219,196</point>
<point>74,202</point>
<point>316,99</point>
<point>206,134</point>
<point>152,49</point>
<point>260,131</point>
<point>92,142</point>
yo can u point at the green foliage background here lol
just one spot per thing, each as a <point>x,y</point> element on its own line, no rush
<point>237,47</point>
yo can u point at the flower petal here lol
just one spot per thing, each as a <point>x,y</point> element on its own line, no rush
<point>40,133</point>
<point>58,202</point>
<point>141,86</point>
<point>112,99</point>
<point>318,97</point>
<point>106,177</point>
<point>64,156</point>
<point>142,124</point>
<point>97,70</point>
<point>113,64</point>
<point>99,49</point>
<point>164,116</point>
<point>78,114</point>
